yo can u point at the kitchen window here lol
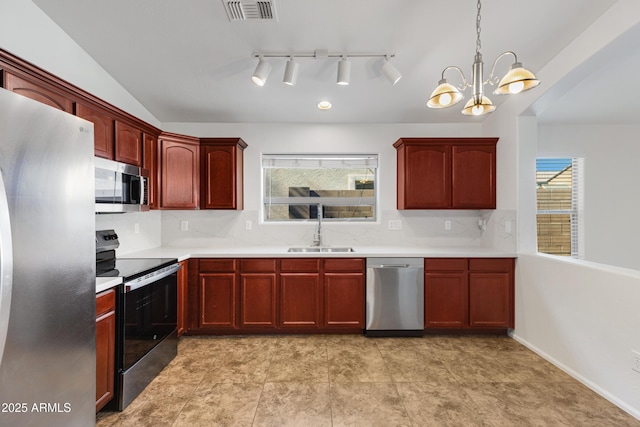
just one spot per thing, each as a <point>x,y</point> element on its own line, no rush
<point>344,186</point>
<point>559,198</point>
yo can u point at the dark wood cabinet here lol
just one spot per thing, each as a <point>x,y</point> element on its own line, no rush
<point>150,163</point>
<point>105,346</point>
<point>258,288</point>
<point>179,172</point>
<point>300,293</point>
<point>218,294</point>
<point>344,293</point>
<point>128,145</point>
<point>445,293</point>
<point>183,302</point>
<point>476,293</point>
<point>37,90</point>
<point>446,173</point>
<point>221,173</point>
<point>103,129</point>
<point>491,294</point>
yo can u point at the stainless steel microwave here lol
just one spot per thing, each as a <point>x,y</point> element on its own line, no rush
<point>120,187</point>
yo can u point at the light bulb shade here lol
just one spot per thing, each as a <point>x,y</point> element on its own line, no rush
<point>261,73</point>
<point>445,95</point>
<point>472,108</point>
<point>291,73</point>
<point>391,72</point>
<point>517,80</point>
<point>344,72</point>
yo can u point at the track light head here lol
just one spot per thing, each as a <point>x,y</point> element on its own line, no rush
<point>391,72</point>
<point>344,72</point>
<point>291,72</point>
<point>261,73</point>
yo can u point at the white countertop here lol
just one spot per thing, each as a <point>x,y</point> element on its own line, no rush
<point>183,253</point>
<point>104,283</point>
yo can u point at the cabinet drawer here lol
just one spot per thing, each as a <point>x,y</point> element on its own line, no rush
<point>344,264</point>
<point>217,265</point>
<point>300,264</point>
<point>445,264</point>
<point>105,302</point>
<point>257,265</point>
<point>490,264</point>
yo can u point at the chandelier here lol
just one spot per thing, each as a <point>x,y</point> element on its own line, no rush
<point>517,80</point>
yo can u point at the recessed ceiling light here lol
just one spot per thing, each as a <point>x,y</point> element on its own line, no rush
<point>324,105</point>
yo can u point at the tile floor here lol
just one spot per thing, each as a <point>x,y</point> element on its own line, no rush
<point>348,380</point>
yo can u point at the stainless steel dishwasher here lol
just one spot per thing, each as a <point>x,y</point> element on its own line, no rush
<point>395,297</point>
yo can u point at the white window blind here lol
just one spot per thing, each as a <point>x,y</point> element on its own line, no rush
<point>559,192</point>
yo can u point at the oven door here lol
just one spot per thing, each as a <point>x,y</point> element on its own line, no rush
<point>150,315</point>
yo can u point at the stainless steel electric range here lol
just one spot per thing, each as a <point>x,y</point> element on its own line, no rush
<point>146,316</point>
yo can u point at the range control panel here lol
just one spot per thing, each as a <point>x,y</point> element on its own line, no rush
<point>106,240</point>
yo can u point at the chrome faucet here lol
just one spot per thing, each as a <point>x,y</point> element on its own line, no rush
<point>317,237</point>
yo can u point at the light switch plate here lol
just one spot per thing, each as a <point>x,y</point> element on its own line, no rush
<point>395,224</point>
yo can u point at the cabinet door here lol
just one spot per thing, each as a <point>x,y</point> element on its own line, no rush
<point>424,177</point>
<point>344,300</point>
<point>218,296</point>
<point>179,175</point>
<point>128,144</point>
<point>40,92</point>
<point>222,173</point>
<point>446,293</point>
<point>300,300</point>
<point>491,292</point>
<point>258,300</point>
<point>474,176</point>
<point>105,347</point>
<point>103,130</point>
<point>150,162</point>
<point>183,278</point>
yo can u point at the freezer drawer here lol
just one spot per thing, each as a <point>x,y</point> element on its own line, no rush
<point>395,296</point>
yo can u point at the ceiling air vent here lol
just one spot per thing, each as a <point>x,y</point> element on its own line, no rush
<point>250,9</point>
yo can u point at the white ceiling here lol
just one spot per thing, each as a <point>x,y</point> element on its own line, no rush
<point>186,62</point>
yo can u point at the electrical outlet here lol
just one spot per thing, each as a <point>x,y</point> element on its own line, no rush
<point>447,225</point>
<point>507,226</point>
<point>248,225</point>
<point>635,362</point>
<point>184,225</point>
<point>395,224</point>
<point>136,228</point>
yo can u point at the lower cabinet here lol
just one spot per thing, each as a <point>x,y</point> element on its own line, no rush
<point>183,279</point>
<point>476,293</point>
<point>105,346</point>
<point>271,294</point>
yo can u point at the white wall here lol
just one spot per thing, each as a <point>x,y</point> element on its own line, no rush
<point>612,176</point>
<point>578,315</point>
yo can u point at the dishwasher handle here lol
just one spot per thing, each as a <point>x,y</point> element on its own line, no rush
<point>392,266</point>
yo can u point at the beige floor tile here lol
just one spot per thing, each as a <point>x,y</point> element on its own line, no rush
<point>294,404</point>
<point>247,367</point>
<point>474,366</point>
<point>357,363</point>
<point>303,362</point>
<point>411,364</point>
<point>529,367</point>
<point>367,404</point>
<point>221,405</point>
<point>440,405</point>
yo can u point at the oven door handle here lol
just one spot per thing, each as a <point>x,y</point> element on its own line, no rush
<point>150,278</point>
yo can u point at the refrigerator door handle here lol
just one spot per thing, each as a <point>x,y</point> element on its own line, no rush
<point>6,266</point>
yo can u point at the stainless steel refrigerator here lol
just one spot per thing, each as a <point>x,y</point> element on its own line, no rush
<point>47,266</point>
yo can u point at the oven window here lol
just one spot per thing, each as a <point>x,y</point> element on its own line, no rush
<point>150,315</point>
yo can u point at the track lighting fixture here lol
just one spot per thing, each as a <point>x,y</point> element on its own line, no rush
<point>344,65</point>
<point>261,73</point>
<point>517,80</point>
<point>291,72</point>
<point>391,72</point>
<point>344,72</point>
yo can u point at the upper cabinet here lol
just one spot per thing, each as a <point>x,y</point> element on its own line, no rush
<point>128,144</point>
<point>150,163</point>
<point>221,173</point>
<point>103,129</point>
<point>179,171</point>
<point>446,173</point>
<point>38,91</point>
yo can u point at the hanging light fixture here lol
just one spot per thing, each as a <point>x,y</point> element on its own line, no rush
<point>344,72</point>
<point>517,80</point>
<point>261,73</point>
<point>391,72</point>
<point>291,72</point>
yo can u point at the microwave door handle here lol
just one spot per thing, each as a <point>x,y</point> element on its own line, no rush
<point>141,192</point>
<point>6,266</point>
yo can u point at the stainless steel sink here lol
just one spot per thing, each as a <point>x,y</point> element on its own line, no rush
<point>320,249</point>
